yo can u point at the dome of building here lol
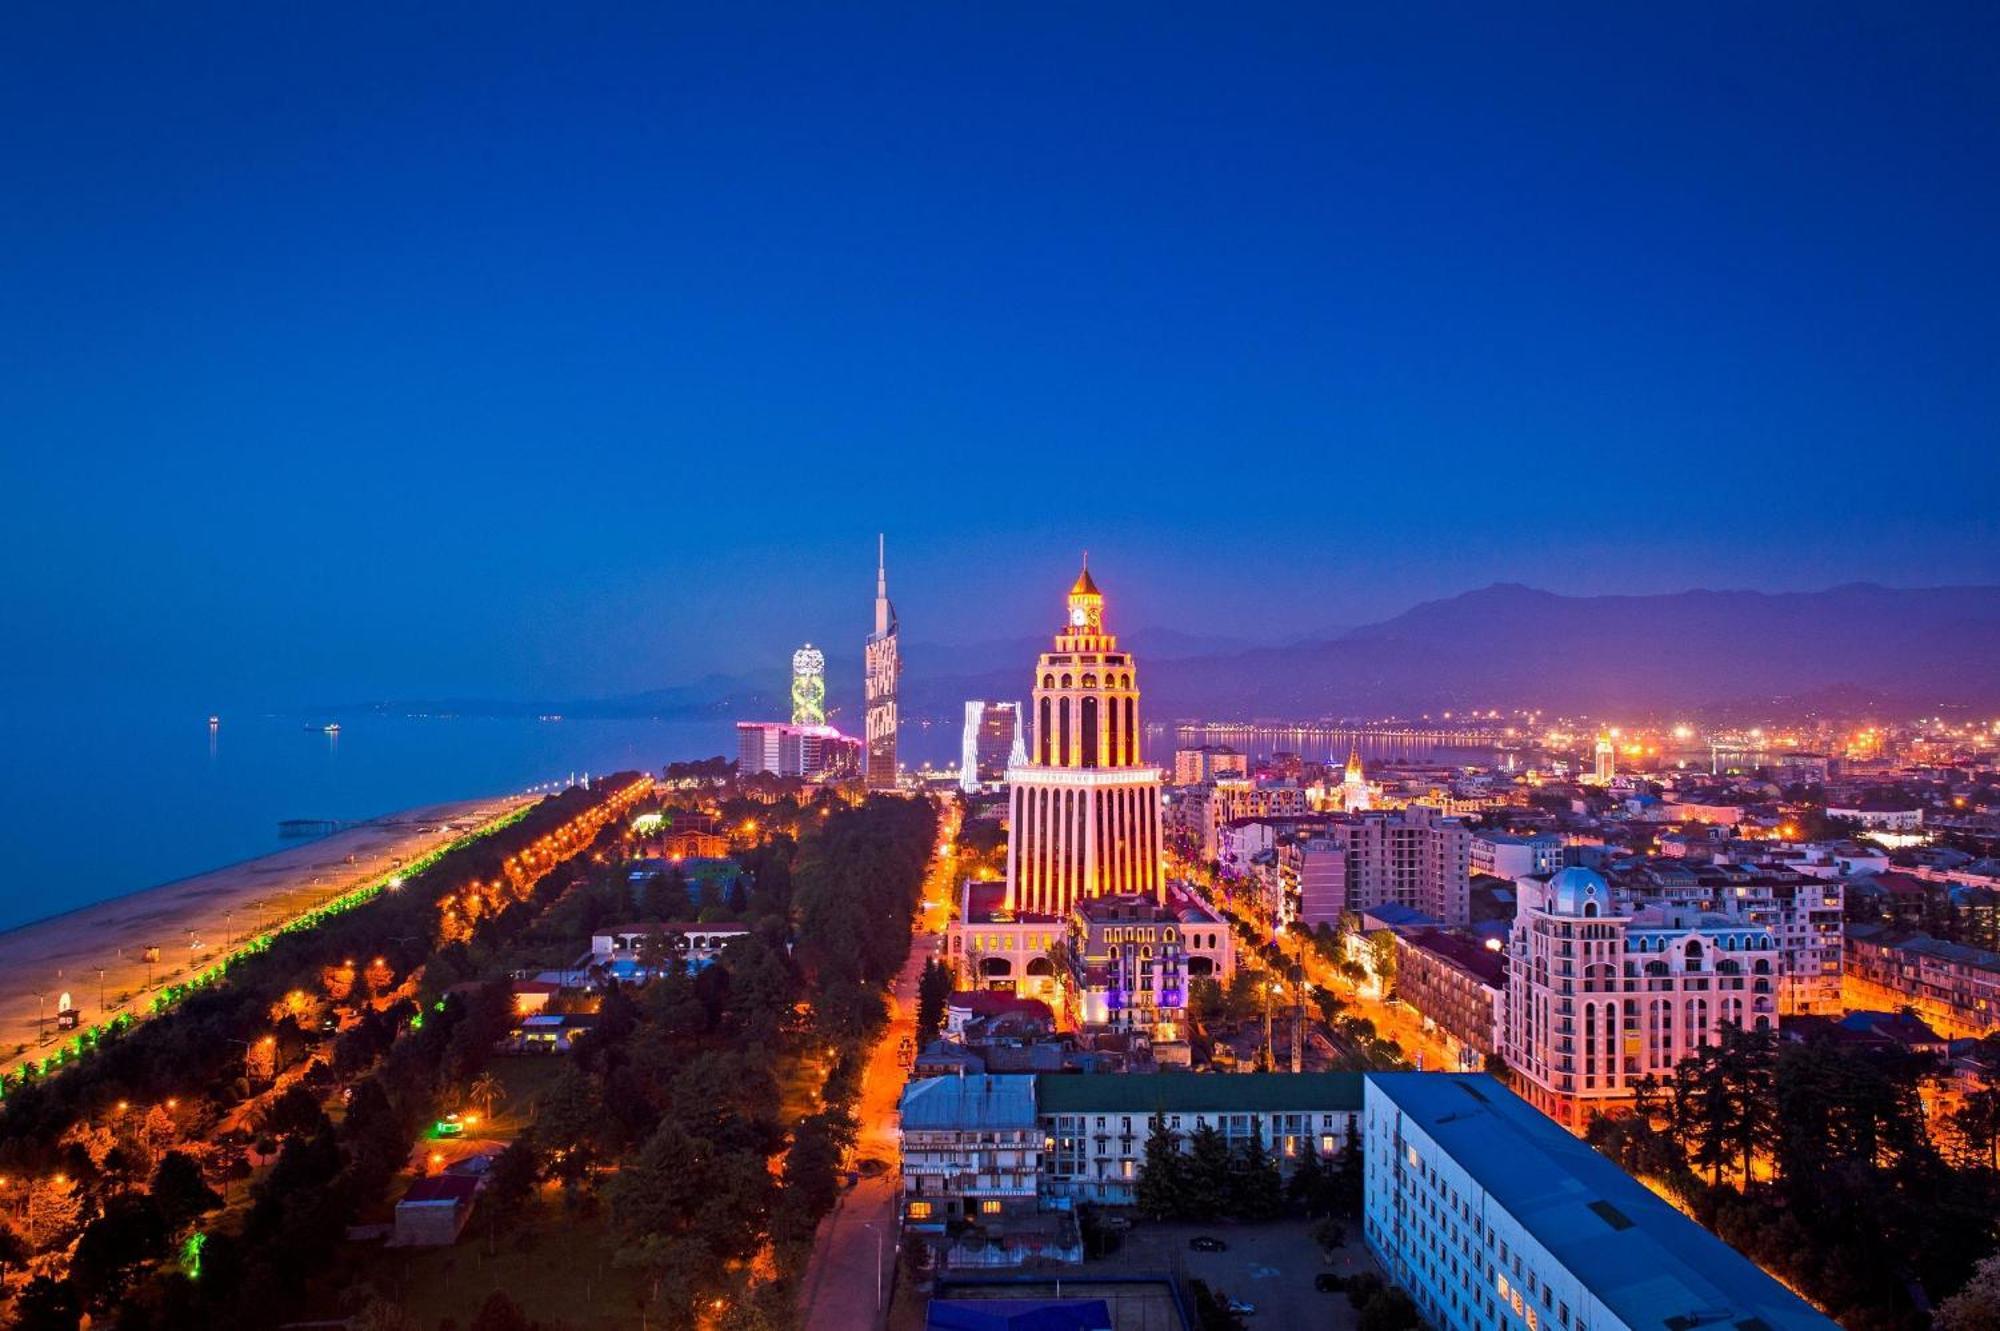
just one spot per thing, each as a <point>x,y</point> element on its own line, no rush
<point>1579,891</point>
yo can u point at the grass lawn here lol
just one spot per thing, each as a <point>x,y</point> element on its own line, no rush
<point>555,1265</point>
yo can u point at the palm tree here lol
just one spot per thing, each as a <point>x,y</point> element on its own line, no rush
<point>485,1091</point>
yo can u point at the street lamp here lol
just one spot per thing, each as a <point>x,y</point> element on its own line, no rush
<point>102,1006</point>
<point>878,1263</point>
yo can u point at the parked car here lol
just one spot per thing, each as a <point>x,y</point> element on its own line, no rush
<point>1204,1243</point>
<point>1242,1309</point>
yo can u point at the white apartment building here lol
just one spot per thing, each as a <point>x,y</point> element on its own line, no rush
<point>1505,856</point>
<point>1599,996</point>
<point>1492,1218</point>
<point>1095,1127</point>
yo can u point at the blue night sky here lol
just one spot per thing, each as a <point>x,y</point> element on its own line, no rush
<point>557,349</point>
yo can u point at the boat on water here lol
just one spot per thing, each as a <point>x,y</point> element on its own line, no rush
<point>331,727</point>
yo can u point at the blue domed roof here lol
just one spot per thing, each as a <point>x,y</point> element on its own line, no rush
<point>1570,890</point>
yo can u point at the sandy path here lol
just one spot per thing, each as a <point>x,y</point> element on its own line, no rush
<point>193,921</point>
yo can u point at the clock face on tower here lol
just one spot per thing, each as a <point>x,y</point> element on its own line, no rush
<point>1078,616</point>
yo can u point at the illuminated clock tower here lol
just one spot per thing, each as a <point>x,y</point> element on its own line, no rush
<point>1085,815</point>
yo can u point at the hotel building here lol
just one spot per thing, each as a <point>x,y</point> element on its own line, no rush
<point>1084,826</point>
<point>1492,1217</point>
<point>1084,815</point>
<point>1599,995</point>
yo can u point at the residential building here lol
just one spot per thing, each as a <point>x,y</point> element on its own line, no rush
<point>1312,870</point>
<point>1599,995</point>
<point>1096,1127</point>
<point>780,748</point>
<point>1413,856</point>
<point>1208,762</point>
<point>1882,815</point>
<point>1458,986</point>
<point>1954,987</point>
<point>971,1149</point>
<point>1490,1216</point>
<point>992,741</point>
<point>1803,915</point>
<point>1505,856</point>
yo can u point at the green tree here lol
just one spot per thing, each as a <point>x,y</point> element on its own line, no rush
<point>1209,1164</point>
<point>180,1192</point>
<point>1311,1187</point>
<point>1162,1192</point>
<point>130,1233</point>
<point>933,989</point>
<point>1256,1191</point>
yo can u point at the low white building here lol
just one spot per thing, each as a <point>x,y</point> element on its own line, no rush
<point>1505,856</point>
<point>1491,1216</point>
<point>696,944</point>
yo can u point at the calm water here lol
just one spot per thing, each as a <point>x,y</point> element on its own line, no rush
<point>102,800</point>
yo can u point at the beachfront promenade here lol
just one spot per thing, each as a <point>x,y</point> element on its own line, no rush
<point>194,921</point>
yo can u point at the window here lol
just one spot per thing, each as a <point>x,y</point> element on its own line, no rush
<point>920,1210</point>
<point>990,1206</point>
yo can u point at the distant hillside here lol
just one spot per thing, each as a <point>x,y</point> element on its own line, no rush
<point>1853,648</point>
<point>1508,645</point>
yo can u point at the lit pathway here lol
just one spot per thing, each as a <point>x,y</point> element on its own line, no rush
<point>192,921</point>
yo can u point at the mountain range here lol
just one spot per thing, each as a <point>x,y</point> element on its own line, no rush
<point>1853,649</point>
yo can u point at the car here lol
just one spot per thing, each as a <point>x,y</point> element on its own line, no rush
<point>1204,1243</point>
<point>1326,1282</point>
<point>1242,1309</point>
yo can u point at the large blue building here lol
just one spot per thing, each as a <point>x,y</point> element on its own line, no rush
<point>1494,1218</point>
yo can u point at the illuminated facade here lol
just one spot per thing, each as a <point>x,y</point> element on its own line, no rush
<point>991,744</point>
<point>1600,994</point>
<point>808,686</point>
<point>1355,795</point>
<point>883,666</point>
<point>1084,815</point>
<point>1605,761</point>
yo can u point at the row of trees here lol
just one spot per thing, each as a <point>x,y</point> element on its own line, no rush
<point>188,1065</point>
<point>678,1082</point>
<point>1819,1161</point>
<point>1200,1176</point>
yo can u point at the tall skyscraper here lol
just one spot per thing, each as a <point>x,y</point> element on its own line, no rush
<point>991,742</point>
<point>1084,814</point>
<point>883,665</point>
<point>1605,764</point>
<point>808,686</point>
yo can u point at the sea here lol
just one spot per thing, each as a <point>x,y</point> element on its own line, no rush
<point>106,798</point>
<point>103,798</point>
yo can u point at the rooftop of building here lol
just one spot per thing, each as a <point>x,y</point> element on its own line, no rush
<point>1646,1262</point>
<point>975,1100</point>
<point>1487,965</point>
<point>995,1003</point>
<point>1961,954</point>
<point>1395,915</point>
<point>1194,1093</point>
<point>454,1188</point>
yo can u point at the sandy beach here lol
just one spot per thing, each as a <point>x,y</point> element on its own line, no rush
<point>194,920</point>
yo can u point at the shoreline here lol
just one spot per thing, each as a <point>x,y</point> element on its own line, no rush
<point>96,952</point>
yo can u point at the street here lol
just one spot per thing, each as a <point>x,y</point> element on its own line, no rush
<point>847,1281</point>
